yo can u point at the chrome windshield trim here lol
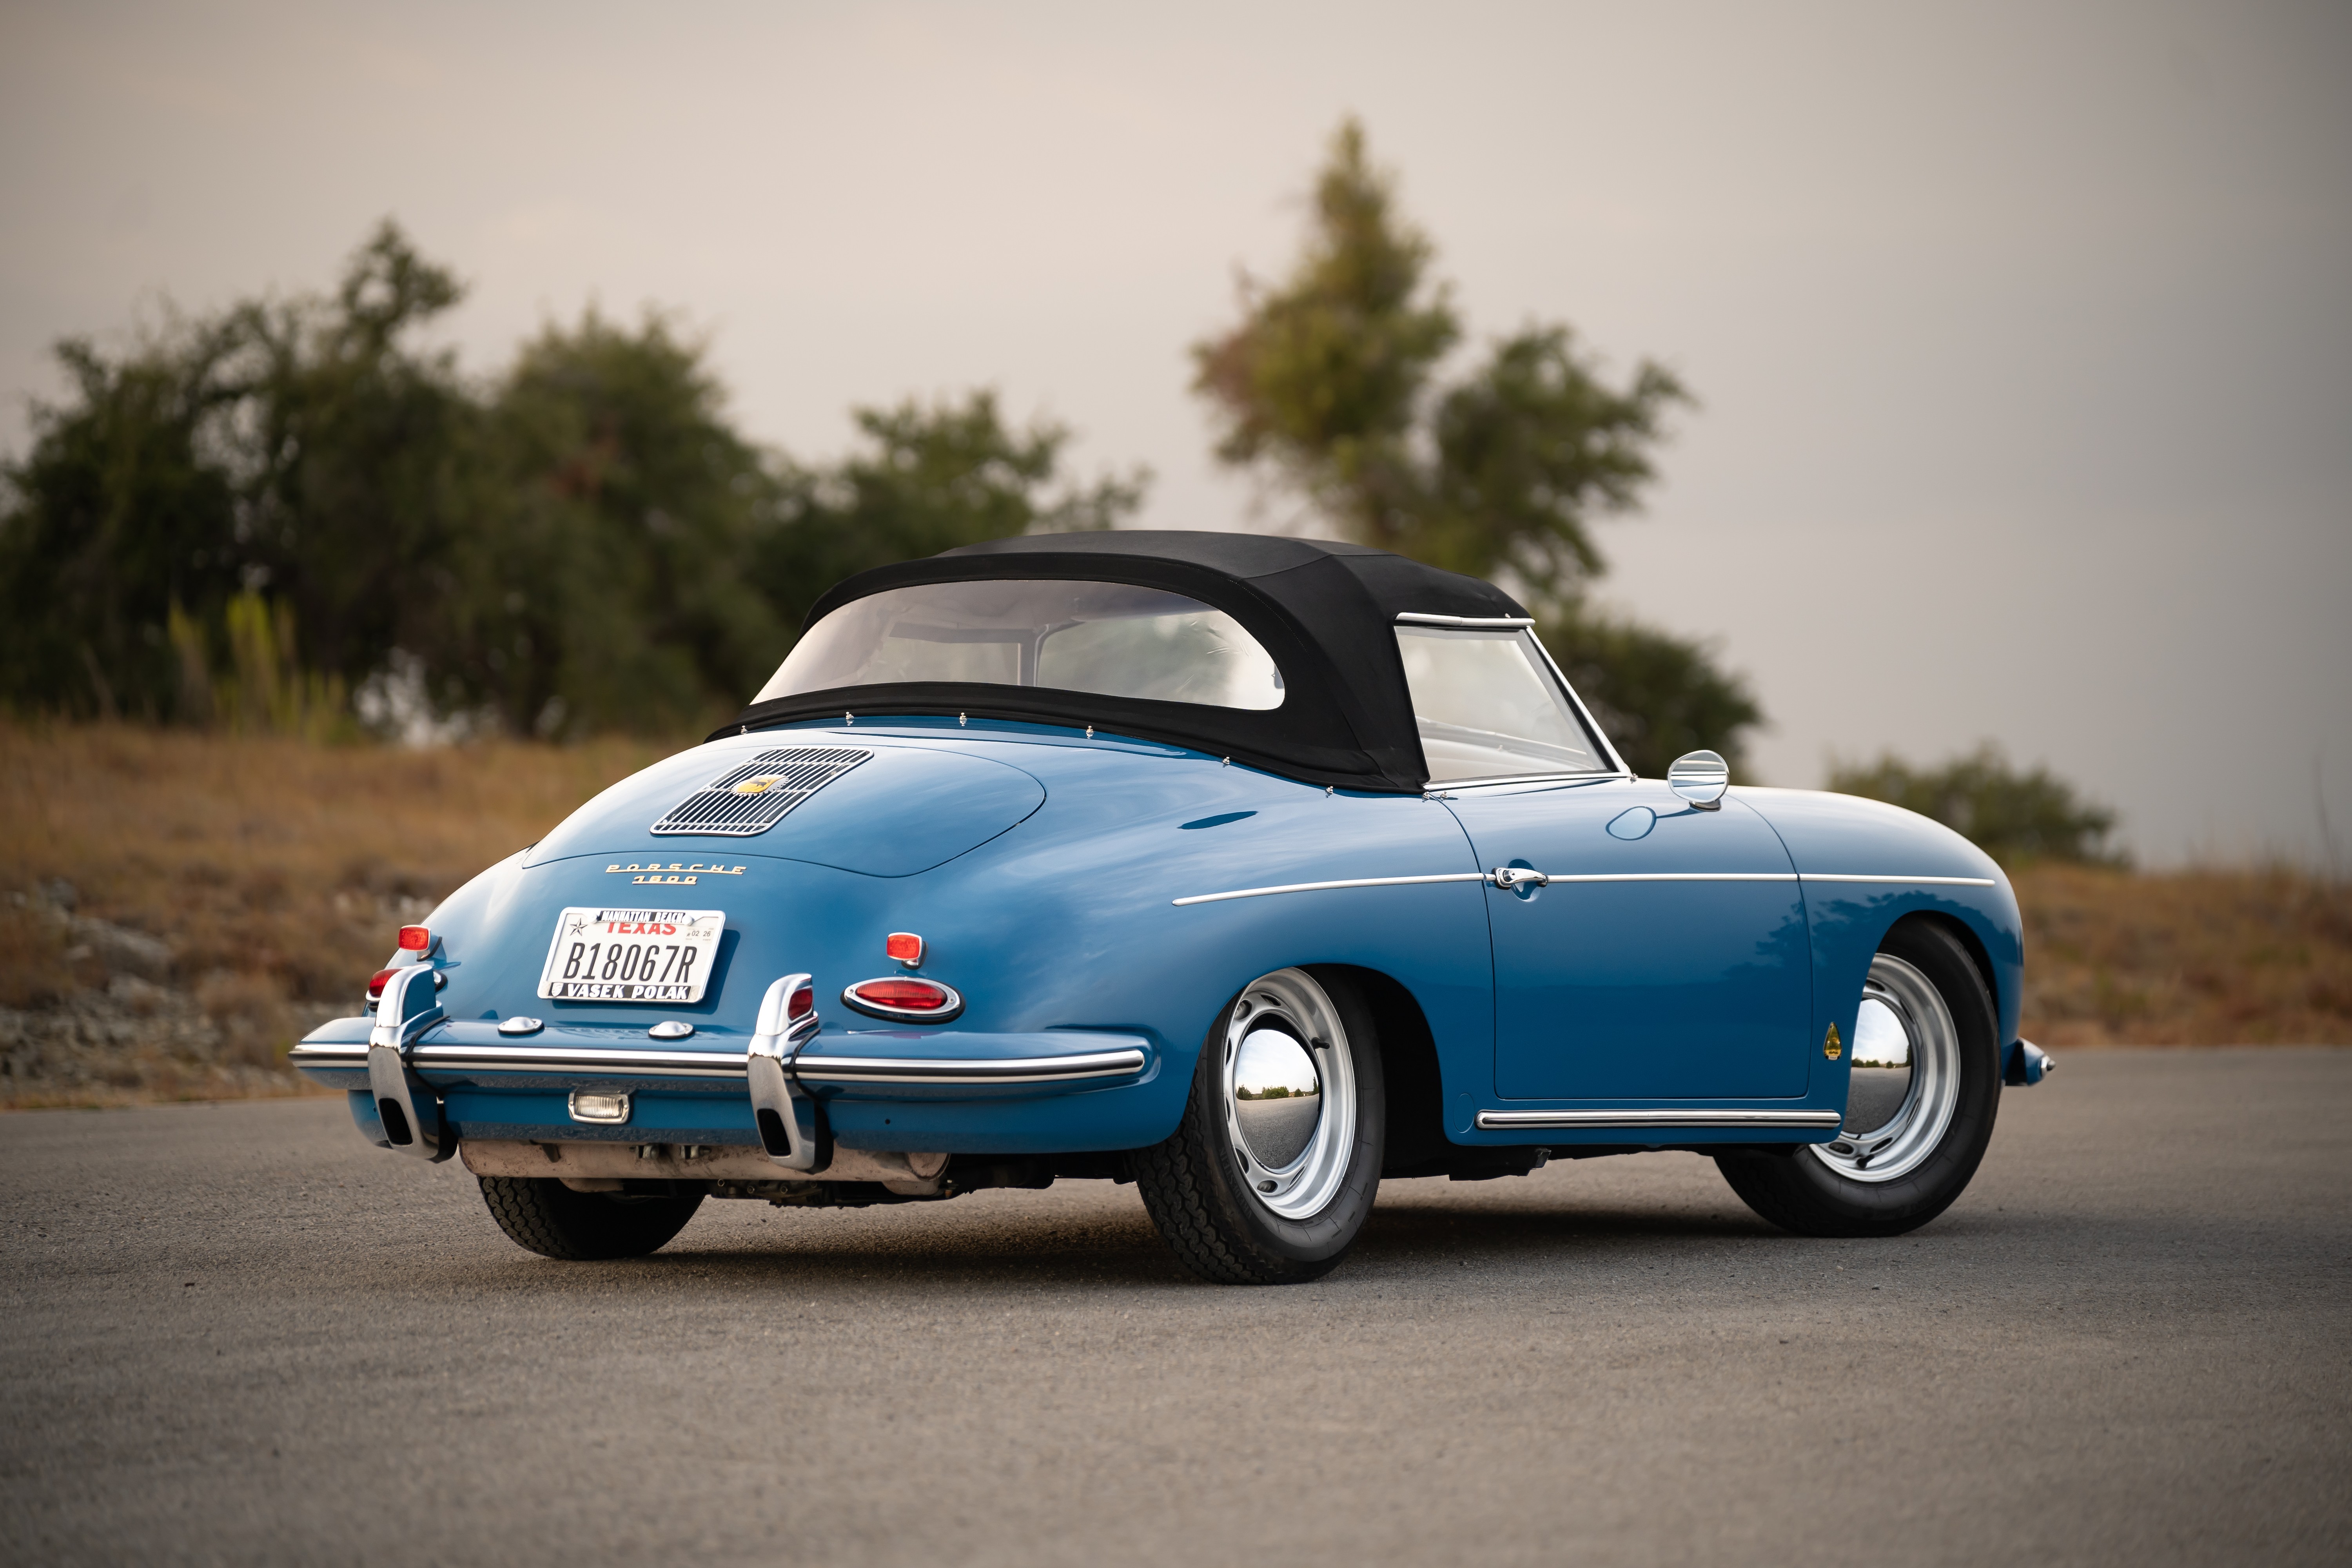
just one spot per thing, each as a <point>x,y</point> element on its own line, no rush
<point>1475,623</point>
<point>1320,887</point>
<point>1502,1120</point>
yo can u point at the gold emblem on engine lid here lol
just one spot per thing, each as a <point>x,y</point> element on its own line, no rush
<point>1832,1046</point>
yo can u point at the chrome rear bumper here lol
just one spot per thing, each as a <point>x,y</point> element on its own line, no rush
<point>429,1078</point>
<point>449,1051</point>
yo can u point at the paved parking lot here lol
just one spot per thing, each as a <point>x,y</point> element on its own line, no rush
<point>237,1334</point>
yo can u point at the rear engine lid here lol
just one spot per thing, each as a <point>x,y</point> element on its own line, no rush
<point>882,810</point>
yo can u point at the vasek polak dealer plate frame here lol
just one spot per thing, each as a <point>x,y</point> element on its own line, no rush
<point>646,955</point>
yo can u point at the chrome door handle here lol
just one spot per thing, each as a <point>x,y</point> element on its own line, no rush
<point>1508,878</point>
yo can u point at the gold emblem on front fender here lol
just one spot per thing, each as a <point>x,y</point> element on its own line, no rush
<point>1832,1046</point>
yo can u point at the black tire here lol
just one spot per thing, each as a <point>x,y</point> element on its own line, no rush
<point>1800,1191</point>
<point>543,1216</point>
<point>1194,1185</point>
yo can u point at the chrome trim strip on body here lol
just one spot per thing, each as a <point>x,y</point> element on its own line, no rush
<point>1319,886</point>
<point>819,1069</point>
<point>1502,1120</point>
<point>1558,877</point>
<point>1915,882</point>
<point>1417,619</point>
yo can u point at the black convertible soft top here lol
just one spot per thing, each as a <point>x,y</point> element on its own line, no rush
<point>1325,610</point>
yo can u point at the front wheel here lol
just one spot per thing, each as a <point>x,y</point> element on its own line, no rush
<point>1920,1100</point>
<point>543,1216</point>
<point>1274,1168</point>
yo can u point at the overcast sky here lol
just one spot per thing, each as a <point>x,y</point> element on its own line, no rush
<point>2023,336</point>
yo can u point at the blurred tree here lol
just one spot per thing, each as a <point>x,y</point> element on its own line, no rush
<point>1329,383</point>
<point>928,477</point>
<point>116,516</point>
<point>585,543</point>
<point>1657,696</point>
<point>1329,380</point>
<point>293,446</point>
<point>2011,816</point>
<point>615,588</point>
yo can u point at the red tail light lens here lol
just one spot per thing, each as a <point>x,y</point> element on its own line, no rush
<point>903,945</point>
<point>904,995</point>
<point>800,1004</point>
<point>376,986</point>
<point>415,939</point>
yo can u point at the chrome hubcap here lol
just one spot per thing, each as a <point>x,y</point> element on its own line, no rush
<point>1905,1080</point>
<point>1289,1093</point>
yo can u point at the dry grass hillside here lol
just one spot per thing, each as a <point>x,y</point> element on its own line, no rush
<point>175,908</point>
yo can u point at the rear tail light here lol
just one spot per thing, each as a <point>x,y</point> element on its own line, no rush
<point>801,1003</point>
<point>376,981</point>
<point>415,939</point>
<point>904,997</point>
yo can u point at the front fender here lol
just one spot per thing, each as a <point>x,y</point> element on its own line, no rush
<point>1865,865</point>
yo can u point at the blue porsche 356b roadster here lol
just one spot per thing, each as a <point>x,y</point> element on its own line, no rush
<point>1251,869</point>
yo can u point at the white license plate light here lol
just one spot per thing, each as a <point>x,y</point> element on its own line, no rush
<point>604,1109</point>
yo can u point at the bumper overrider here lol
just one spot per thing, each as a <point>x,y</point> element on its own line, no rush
<point>430,1084</point>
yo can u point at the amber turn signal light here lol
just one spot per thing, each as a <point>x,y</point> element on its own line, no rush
<point>415,939</point>
<point>905,946</point>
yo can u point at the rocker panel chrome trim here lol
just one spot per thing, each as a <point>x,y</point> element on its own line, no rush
<point>1501,1120</point>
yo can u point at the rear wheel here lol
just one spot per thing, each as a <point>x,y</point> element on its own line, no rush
<point>545,1217</point>
<point>1274,1168</point>
<point>1924,1087</point>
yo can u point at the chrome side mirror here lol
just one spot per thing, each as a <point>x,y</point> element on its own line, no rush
<point>1700,778</point>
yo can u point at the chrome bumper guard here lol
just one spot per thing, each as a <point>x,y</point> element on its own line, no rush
<point>778,1102</point>
<point>410,1110</point>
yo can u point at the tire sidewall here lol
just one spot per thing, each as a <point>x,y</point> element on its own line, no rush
<point>1927,1191</point>
<point>1322,1237</point>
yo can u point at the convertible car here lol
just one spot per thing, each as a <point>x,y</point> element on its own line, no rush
<point>1252,870</point>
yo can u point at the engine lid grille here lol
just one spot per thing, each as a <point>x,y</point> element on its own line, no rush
<point>753,797</point>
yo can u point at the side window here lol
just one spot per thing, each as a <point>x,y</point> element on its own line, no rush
<point>1488,706</point>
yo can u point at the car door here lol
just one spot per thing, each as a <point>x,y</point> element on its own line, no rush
<point>1666,958</point>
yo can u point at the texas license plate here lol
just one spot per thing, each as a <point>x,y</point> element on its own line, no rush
<point>632,955</point>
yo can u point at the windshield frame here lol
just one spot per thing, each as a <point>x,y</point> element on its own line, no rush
<point>1616,768</point>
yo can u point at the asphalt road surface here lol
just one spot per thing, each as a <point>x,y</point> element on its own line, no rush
<point>237,1334</point>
